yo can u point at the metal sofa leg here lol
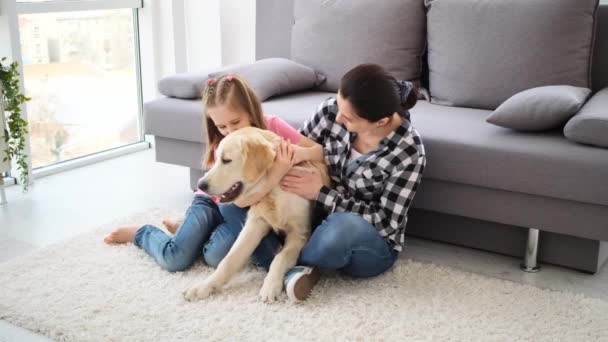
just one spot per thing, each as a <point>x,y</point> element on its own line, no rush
<point>529,264</point>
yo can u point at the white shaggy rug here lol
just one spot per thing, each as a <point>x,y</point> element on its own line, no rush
<point>84,290</point>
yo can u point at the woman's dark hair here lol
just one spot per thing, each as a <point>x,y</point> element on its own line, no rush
<point>375,94</point>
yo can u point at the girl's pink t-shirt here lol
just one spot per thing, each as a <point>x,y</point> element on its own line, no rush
<point>282,128</point>
<point>275,125</point>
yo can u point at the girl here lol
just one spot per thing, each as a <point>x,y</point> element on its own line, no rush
<point>230,104</point>
<point>376,159</point>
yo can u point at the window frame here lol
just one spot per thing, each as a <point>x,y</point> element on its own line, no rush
<point>52,6</point>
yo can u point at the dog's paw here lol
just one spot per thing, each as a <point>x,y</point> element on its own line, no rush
<point>199,292</point>
<point>271,290</point>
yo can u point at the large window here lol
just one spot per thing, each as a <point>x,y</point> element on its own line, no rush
<point>81,69</point>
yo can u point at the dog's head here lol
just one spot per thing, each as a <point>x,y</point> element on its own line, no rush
<point>242,159</point>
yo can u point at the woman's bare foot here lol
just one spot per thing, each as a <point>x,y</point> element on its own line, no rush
<point>121,235</point>
<point>171,225</point>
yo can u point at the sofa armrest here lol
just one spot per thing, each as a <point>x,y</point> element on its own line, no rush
<point>187,85</point>
<point>590,124</point>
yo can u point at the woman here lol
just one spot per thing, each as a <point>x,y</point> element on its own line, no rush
<point>376,160</point>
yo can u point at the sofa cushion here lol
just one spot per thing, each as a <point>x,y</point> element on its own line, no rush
<point>268,77</point>
<point>540,108</point>
<point>181,119</point>
<point>186,85</point>
<point>275,76</point>
<point>462,148</point>
<point>480,53</point>
<point>333,36</point>
<point>590,125</point>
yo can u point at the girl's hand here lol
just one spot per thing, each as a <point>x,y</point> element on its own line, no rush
<point>284,159</point>
<point>307,184</point>
<point>298,155</point>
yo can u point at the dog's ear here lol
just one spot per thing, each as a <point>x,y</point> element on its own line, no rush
<point>258,156</point>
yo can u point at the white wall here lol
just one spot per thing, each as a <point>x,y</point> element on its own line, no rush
<point>238,31</point>
<point>203,37</point>
<point>149,49</point>
<point>193,35</point>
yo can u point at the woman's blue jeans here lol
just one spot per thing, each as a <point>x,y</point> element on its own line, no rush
<point>343,241</point>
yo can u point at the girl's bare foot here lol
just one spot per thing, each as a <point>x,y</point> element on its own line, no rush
<point>121,235</point>
<point>171,225</point>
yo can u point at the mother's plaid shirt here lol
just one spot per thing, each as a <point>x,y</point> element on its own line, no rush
<point>379,185</point>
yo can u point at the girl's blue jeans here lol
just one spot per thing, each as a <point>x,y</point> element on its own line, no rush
<point>208,229</point>
<point>343,241</point>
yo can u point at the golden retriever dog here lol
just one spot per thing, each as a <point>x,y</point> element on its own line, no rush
<point>243,160</point>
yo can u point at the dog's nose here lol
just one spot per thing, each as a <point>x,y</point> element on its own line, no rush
<point>202,185</point>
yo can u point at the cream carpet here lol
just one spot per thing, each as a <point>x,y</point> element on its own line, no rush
<point>84,290</point>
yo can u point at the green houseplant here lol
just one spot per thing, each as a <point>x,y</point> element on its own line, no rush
<point>15,127</point>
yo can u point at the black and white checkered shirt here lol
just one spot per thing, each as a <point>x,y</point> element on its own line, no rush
<point>379,185</point>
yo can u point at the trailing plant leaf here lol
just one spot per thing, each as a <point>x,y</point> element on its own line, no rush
<point>15,131</point>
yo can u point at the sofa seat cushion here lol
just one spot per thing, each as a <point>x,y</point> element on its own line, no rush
<point>295,108</point>
<point>174,118</point>
<point>181,119</point>
<point>461,147</point>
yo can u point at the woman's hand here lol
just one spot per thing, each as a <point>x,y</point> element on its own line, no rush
<point>284,159</point>
<point>304,183</point>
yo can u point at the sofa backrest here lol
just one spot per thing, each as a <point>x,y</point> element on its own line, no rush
<point>274,19</point>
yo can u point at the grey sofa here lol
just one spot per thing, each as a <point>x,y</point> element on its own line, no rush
<point>485,187</point>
